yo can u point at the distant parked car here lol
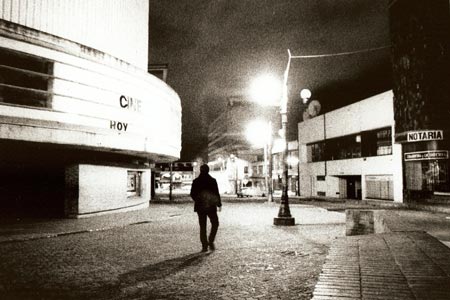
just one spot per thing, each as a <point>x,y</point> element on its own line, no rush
<point>250,192</point>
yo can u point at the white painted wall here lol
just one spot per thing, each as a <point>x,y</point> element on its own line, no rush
<point>372,113</point>
<point>116,27</point>
<point>86,99</point>
<point>103,188</point>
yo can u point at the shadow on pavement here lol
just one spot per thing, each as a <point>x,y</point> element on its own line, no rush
<point>163,268</point>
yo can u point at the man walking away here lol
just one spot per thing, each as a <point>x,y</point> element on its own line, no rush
<point>205,194</point>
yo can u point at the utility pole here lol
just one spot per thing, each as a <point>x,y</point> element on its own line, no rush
<point>170,181</point>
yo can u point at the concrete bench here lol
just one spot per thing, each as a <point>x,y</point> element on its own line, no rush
<point>359,222</point>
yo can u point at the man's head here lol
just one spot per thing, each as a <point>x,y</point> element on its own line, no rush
<point>204,169</point>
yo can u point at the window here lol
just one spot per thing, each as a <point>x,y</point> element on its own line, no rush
<point>368,143</point>
<point>344,147</point>
<point>316,152</point>
<point>384,141</point>
<point>377,142</point>
<point>320,178</point>
<point>254,170</point>
<point>25,79</point>
<point>260,169</point>
<point>134,183</point>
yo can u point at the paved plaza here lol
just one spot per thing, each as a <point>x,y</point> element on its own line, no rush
<point>155,253</point>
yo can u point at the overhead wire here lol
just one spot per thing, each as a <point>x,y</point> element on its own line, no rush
<point>340,53</point>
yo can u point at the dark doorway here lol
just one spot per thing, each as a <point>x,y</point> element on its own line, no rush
<point>353,187</point>
<point>29,192</point>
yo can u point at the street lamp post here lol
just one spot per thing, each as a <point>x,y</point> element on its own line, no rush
<point>170,180</point>
<point>233,159</point>
<point>269,169</point>
<point>284,214</point>
<point>264,92</point>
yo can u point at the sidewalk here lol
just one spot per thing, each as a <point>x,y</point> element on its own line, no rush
<point>410,261</point>
<point>400,265</point>
<point>22,229</point>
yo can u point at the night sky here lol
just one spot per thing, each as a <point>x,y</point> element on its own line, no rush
<point>215,48</point>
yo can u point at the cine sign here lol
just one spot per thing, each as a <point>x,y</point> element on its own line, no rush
<point>426,155</point>
<point>424,135</point>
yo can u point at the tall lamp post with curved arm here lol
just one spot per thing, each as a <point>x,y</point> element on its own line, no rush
<point>284,214</point>
<point>284,217</point>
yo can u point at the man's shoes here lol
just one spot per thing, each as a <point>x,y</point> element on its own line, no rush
<point>212,247</point>
<point>204,249</point>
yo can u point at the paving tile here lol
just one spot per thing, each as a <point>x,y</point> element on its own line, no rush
<point>321,297</point>
<point>389,266</point>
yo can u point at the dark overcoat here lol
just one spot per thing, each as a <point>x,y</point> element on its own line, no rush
<point>205,194</point>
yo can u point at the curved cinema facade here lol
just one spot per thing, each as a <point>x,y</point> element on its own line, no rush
<point>81,119</point>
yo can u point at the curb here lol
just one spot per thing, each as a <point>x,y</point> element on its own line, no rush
<point>66,233</point>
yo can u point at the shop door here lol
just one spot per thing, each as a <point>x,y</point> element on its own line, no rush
<point>342,188</point>
<point>353,187</point>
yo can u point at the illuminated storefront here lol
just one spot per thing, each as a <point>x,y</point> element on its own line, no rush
<point>425,161</point>
<point>82,120</point>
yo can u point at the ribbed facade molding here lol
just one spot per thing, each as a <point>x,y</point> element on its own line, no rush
<point>88,22</point>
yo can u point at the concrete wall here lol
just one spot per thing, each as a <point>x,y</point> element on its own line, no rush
<point>374,112</point>
<point>99,189</point>
<point>118,27</point>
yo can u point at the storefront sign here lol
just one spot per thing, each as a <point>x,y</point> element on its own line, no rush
<point>426,155</point>
<point>130,103</point>
<point>120,126</point>
<point>424,135</point>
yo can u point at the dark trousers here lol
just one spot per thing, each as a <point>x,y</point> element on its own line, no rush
<point>214,219</point>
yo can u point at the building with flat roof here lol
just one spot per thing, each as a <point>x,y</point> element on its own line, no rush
<point>350,152</point>
<point>81,119</point>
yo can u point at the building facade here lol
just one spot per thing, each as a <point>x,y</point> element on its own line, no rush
<point>350,152</point>
<point>81,118</point>
<point>420,32</point>
<point>230,154</point>
<point>292,165</point>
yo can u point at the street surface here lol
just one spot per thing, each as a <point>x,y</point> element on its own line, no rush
<point>158,258</point>
<point>155,253</point>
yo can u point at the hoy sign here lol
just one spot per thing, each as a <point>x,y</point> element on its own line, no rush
<point>424,135</point>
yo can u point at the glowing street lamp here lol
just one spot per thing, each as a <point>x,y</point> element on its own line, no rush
<point>258,133</point>
<point>266,90</point>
